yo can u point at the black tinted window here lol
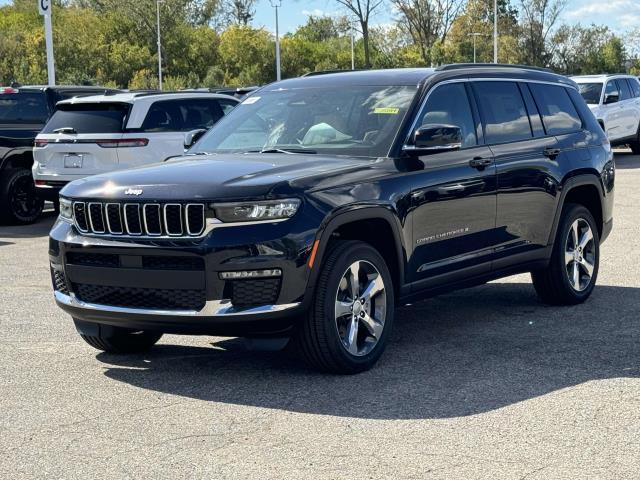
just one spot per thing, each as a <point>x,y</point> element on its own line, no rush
<point>23,107</point>
<point>503,112</point>
<point>635,86</point>
<point>449,105</point>
<point>612,89</point>
<point>559,115</point>
<point>163,117</point>
<point>591,92</point>
<point>227,105</point>
<point>625,92</point>
<point>197,114</point>
<point>89,118</point>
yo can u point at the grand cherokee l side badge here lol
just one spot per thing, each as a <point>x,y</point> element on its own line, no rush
<point>133,191</point>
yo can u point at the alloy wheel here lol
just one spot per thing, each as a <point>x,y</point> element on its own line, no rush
<point>360,308</point>
<point>580,255</point>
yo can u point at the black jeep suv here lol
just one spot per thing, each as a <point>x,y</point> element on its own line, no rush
<point>23,113</point>
<point>321,203</point>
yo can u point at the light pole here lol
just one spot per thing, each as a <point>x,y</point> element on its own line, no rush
<point>474,35</point>
<point>159,45</point>
<point>277,4</point>
<point>495,31</point>
<point>353,47</point>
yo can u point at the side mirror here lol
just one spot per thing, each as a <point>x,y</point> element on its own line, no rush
<point>190,138</point>
<point>434,138</point>
<point>611,98</point>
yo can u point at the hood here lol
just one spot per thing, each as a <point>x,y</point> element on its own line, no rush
<point>214,177</point>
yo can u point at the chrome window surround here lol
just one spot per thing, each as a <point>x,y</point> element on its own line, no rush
<point>212,308</point>
<point>423,103</point>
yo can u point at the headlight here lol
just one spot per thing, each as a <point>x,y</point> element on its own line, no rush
<point>256,211</point>
<point>66,209</point>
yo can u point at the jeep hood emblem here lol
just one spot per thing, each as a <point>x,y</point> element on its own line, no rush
<point>133,191</point>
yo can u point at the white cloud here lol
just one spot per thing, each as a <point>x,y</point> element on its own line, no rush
<point>626,12</point>
<point>316,12</point>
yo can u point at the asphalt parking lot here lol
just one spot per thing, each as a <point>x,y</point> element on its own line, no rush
<point>482,383</point>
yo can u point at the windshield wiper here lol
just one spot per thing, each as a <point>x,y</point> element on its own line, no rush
<point>199,153</point>
<point>65,130</point>
<point>283,150</point>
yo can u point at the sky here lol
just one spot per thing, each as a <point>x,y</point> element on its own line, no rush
<point>619,15</point>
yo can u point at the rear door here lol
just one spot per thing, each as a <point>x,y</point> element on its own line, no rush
<point>629,111</point>
<point>525,158</point>
<point>612,112</point>
<point>80,139</point>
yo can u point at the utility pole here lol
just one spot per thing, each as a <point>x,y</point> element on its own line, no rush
<point>44,7</point>
<point>495,31</point>
<point>159,45</point>
<point>277,4</point>
<point>474,35</point>
<point>353,49</point>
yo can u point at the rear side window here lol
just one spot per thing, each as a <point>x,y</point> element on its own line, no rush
<point>635,86</point>
<point>612,89</point>
<point>89,118</point>
<point>449,105</point>
<point>23,107</point>
<point>182,115</point>
<point>591,92</point>
<point>197,114</point>
<point>227,105</point>
<point>503,112</point>
<point>559,115</point>
<point>625,92</point>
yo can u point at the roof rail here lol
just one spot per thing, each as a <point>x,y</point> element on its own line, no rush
<point>325,72</point>
<point>456,66</point>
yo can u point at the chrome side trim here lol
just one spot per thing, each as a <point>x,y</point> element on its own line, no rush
<point>213,308</point>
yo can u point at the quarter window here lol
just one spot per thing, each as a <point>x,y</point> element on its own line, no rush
<point>559,115</point>
<point>503,112</point>
<point>449,105</point>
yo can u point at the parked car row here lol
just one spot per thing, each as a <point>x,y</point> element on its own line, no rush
<point>50,136</point>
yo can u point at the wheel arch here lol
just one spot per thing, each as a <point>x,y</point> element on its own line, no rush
<point>355,224</point>
<point>585,189</point>
<point>17,158</point>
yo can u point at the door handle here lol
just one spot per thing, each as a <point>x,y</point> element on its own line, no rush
<point>480,163</point>
<point>551,153</point>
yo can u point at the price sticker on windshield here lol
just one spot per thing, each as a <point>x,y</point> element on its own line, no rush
<point>251,100</point>
<point>387,110</point>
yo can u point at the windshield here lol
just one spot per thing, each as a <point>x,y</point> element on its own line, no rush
<point>23,107</point>
<point>88,118</point>
<point>354,120</point>
<point>591,92</point>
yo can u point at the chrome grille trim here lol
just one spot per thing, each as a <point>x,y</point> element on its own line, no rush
<point>186,210</point>
<point>166,223</point>
<point>93,228</point>
<point>126,219</point>
<point>173,219</point>
<point>106,211</point>
<point>144,219</point>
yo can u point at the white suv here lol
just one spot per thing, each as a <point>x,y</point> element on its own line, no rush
<point>615,102</point>
<point>97,134</point>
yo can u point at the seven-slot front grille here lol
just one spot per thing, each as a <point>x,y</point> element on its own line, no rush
<point>140,219</point>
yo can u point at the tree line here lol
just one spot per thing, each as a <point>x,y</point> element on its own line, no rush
<point>210,43</point>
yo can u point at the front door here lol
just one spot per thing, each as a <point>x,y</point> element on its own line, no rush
<point>453,199</point>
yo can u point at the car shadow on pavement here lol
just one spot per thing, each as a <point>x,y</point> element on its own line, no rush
<point>627,161</point>
<point>464,353</point>
<point>40,228</point>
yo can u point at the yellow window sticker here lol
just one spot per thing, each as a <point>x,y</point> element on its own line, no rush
<point>387,110</point>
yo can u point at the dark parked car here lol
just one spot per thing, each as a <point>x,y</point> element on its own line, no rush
<point>320,203</point>
<point>23,113</point>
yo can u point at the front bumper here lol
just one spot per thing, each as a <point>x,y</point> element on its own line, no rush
<point>222,307</point>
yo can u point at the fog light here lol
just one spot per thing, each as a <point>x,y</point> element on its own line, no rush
<point>244,274</point>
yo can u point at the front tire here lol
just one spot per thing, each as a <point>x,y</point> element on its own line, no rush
<point>350,320</point>
<point>573,269</point>
<point>121,340</point>
<point>19,201</point>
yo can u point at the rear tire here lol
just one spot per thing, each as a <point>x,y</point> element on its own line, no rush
<point>349,323</point>
<point>121,340</point>
<point>571,274</point>
<point>19,202</point>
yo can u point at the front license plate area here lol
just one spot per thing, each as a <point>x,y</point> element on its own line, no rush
<point>73,161</point>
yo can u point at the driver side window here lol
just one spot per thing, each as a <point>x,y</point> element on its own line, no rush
<point>449,105</point>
